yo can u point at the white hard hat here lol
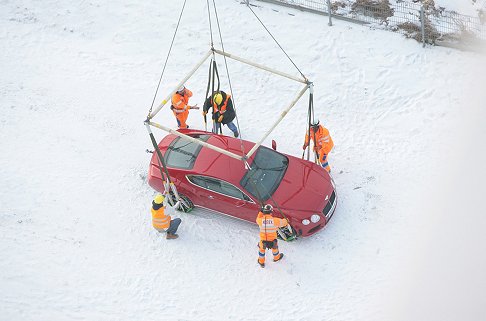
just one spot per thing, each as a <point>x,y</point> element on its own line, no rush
<point>181,89</point>
<point>267,209</point>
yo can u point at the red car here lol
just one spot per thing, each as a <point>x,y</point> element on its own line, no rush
<point>303,191</point>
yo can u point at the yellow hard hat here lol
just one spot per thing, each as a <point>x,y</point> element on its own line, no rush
<point>159,199</point>
<point>218,99</point>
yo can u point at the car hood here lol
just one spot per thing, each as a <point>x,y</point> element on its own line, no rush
<point>305,188</point>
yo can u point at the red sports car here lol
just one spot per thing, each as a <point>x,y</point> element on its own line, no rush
<point>303,191</point>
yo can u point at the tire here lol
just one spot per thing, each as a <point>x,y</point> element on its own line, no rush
<point>185,204</point>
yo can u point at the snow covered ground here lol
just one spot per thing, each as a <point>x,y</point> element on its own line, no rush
<point>407,239</point>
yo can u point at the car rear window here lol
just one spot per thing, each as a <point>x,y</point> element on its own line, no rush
<point>182,153</point>
<point>267,170</point>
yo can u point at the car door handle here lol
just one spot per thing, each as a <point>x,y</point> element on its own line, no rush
<point>211,197</point>
<point>240,204</point>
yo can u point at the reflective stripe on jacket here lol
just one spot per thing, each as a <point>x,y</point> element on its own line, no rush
<point>160,221</point>
<point>269,225</point>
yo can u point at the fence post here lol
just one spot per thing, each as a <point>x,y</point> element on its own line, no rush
<point>422,22</point>
<point>329,11</point>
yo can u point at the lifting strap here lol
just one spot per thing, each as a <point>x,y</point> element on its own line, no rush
<point>212,78</point>
<point>310,120</point>
<point>168,184</point>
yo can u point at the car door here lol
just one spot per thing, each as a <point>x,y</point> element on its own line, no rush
<point>224,197</point>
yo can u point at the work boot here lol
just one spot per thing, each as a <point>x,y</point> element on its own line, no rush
<point>280,256</point>
<point>261,264</point>
<point>171,236</point>
<point>236,134</point>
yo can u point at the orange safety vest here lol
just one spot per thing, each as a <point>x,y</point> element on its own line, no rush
<point>179,102</point>
<point>160,221</point>
<point>324,140</point>
<point>221,109</point>
<point>269,225</point>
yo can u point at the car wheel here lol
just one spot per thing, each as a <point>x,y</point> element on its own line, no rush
<point>285,235</point>
<point>185,205</point>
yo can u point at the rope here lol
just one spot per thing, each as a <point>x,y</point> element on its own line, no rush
<point>166,59</point>
<point>229,79</point>
<point>278,43</point>
<point>210,25</point>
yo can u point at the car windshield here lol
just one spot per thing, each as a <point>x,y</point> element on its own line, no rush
<point>266,173</point>
<point>182,153</point>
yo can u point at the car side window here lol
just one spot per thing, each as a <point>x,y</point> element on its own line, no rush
<point>218,186</point>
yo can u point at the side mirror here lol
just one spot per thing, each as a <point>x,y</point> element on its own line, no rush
<point>274,145</point>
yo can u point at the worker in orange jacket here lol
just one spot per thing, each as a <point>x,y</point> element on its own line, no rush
<point>180,106</point>
<point>322,143</point>
<point>268,234</point>
<point>162,222</point>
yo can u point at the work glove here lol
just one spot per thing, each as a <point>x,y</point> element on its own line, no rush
<point>304,147</point>
<point>205,112</point>
<point>220,118</point>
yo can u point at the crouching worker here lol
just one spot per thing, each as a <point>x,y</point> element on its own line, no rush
<point>162,222</point>
<point>268,234</point>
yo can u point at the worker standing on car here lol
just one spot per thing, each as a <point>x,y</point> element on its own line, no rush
<point>322,143</point>
<point>180,106</point>
<point>162,222</point>
<point>223,111</point>
<point>268,234</point>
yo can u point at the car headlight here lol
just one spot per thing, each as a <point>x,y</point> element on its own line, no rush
<point>315,218</point>
<point>306,222</point>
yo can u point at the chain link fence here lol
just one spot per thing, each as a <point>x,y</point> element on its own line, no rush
<point>422,22</point>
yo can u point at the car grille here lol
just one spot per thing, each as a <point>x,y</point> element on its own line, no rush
<point>329,205</point>
<point>315,229</point>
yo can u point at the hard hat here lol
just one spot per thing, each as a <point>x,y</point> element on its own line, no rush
<point>159,199</point>
<point>267,209</point>
<point>181,89</point>
<point>218,98</point>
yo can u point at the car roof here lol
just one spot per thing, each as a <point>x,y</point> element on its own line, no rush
<point>212,163</point>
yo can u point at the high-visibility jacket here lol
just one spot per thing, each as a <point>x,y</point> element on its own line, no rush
<point>226,108</point>
<point>180,108</point>
<point>323,141</point>
<point>269,225</point>
<point>160,221</point>
<point>179,102</point>
<point>221,108</point>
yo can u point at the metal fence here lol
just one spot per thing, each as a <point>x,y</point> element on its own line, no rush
<point>425,23</point>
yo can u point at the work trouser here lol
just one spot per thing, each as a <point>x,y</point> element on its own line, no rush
<point>231,126</point>
<point>172,229</point>
<point>323,161</point>
<point>174,225</point>
<point>263,245</point>
<point>181,119</point>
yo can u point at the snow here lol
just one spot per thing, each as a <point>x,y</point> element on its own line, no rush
<point>406,241</point>
<point>466,7</point>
